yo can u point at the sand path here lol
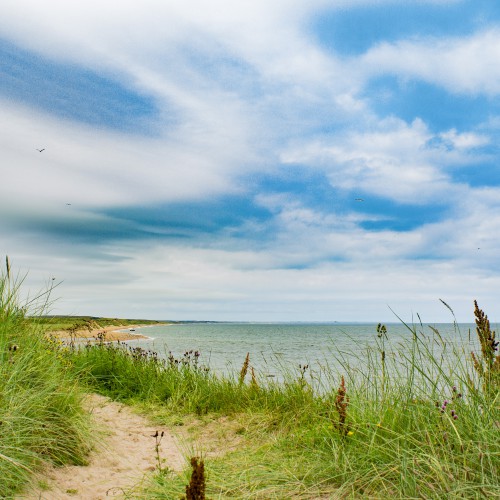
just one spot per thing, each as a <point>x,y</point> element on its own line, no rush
<point>125,456</point>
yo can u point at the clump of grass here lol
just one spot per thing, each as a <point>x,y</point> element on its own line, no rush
<point>41,414</point>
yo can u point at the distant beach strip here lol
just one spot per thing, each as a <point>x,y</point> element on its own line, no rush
<point>110,333</point>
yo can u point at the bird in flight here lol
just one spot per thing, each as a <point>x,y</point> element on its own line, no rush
<point>359,199</point>
<point>68,204</point>
<point>40,150</point>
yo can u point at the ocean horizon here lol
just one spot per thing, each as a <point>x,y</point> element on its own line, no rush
<point>279,347</point>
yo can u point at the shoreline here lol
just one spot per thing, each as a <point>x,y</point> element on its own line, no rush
<point>111,333</point>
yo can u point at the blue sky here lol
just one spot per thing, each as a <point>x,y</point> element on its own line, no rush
<point>260,161</point>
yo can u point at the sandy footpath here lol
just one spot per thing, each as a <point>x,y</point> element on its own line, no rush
<point>124,458</point>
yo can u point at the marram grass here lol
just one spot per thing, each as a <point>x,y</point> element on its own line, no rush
<point>41,415</point>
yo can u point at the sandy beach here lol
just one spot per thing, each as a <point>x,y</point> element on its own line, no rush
<point>111,333</point>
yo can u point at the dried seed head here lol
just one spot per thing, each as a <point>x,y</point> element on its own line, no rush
<point>244,368</point>
<point>195,490</point>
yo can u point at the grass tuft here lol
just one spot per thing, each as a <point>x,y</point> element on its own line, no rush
<point>41,416</point>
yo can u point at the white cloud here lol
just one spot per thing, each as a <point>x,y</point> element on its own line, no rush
<point>461,65</point>
<point>392,161</point>
<point>265,34</point>
<point>465,140</point>
<point>95,168</point>
<point>218,133</point>
<point>176,282</point>
<point>319,267</point>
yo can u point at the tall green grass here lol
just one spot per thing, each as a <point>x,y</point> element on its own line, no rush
<point>414,420</point>
<point>41,416</point>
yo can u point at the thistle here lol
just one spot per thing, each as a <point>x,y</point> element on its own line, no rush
<point>158,437</point>
<point>303,369</point>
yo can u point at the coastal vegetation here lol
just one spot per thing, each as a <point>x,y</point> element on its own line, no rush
<point>41,414</point>
<point>417,420</point>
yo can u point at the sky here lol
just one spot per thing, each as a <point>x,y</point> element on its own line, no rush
<point>319,160</point>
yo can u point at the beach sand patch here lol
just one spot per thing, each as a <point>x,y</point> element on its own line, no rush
<point>124,458</point>
<point>108,333</point>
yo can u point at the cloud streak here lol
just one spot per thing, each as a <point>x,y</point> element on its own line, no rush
<point>203,162</point>
<point>460,64</point>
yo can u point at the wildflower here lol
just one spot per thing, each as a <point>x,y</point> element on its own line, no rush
<point>350,433</point>
<point>341,404</point>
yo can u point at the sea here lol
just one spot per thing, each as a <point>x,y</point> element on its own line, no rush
<point>276,348</point>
